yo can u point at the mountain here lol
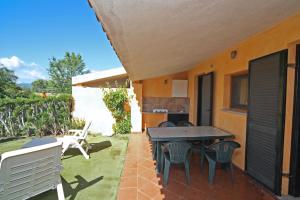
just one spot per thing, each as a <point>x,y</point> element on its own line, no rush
<point>25,85</point>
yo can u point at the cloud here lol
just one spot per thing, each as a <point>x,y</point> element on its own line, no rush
<point>30,75</point>
<point>33,74</point>
<point>12,62</point>
<point>33,64</point>
<point>25,71</point>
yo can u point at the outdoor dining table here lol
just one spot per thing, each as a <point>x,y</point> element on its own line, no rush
<point>191,133</point>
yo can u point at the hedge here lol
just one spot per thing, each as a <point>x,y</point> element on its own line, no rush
<point>35,116</point>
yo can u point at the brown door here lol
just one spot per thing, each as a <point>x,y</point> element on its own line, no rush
<point>205,99</point>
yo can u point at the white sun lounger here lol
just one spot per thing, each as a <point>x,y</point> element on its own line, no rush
<point>77,140</point>
<point>27,172</point>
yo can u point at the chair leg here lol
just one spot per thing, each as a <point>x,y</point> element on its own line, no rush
<point>158,157</point>
<point>212,171</point>
<point>166,171</point>
<point>88,146</point>
<point>60,192</point>
<point>162,158</point>
<point>202,159</point>
<point>82,150</point>
<point>154,150</point>
<point>231,170</point>
<point>187,171</point>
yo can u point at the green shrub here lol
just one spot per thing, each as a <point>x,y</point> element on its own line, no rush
<point>115,100</point>
<point>123,126</point>
<point>77,123</point>
<point>35,116</point>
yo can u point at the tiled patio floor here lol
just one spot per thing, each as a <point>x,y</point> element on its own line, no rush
<point>140,181</point>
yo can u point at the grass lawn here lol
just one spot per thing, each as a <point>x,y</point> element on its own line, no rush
<point>96,178</point>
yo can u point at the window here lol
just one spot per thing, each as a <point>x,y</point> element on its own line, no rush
<point>239,92</point>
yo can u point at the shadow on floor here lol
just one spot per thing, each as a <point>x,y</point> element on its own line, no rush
<point>96,147</point>
<point>69,192</point>
<point>81,185</point>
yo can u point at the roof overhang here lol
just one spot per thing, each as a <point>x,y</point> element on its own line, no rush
<point>100,78</point>
<point>156,37</point>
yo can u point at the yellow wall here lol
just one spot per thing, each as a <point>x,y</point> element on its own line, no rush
<point>161,86</point>
<point>272,40</point>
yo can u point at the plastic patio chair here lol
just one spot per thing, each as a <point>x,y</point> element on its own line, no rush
<point>185,123</point>
<point>162,124</point>
<point>166,124</point>
<point>220,152</point>
<point>77,140</point>
<point>27,172</point>
<point>177,153</point>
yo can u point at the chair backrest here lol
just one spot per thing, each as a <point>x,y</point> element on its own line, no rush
<point>224,150</point>
<point>25,173</point>
<point>85,129</point>
<point>166,124</point>
<point>178,151</point>
<point>185,123</point>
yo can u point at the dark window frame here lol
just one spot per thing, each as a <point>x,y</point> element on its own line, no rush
<point>234,80</point>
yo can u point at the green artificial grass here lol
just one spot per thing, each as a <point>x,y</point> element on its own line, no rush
<point>93,179</point>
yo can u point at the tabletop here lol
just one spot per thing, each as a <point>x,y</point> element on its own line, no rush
<point>187,133</point>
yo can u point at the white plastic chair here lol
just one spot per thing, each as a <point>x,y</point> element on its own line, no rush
<point>77,140</point>
<point>25,173</point>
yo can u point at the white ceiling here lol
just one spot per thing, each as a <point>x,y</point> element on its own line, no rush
<point>158,37</point>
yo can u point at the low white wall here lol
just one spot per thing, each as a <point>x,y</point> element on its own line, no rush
<point>136,114</point>
<point>90,106</point>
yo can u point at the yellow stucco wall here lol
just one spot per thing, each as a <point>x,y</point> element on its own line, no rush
<point>272,40</point>
<point>161,86</point>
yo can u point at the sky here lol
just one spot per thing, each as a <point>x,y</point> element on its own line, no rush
<point>32,31</point>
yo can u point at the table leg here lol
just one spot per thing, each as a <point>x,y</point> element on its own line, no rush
<point>158,157</point>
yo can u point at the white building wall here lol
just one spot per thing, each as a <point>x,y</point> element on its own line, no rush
<point>136,114</point>
<point>90,106</point>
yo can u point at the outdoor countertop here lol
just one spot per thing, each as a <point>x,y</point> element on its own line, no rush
<point>149,112</point>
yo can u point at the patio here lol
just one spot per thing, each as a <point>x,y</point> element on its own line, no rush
<point>140,181</point>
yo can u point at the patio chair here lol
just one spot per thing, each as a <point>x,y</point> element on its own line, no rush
<point>220,152</point>
<point>177,153</point>
<point>77,140</point>
<point>185,123</point>
<point>166,124</point>
<point>162,124</point>
<point>27,172</point>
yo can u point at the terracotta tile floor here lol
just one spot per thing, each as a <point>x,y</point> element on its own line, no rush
<point>140,181</point>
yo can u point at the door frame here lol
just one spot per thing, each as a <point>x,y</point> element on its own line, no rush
<point>295,146</point>
<point>199,99</point>
<point>280,125</point>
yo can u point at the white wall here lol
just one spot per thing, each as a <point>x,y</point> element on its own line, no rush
<point>136,114</point>
<point>90,106</point>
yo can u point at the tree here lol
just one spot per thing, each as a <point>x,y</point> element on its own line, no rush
<point>8,86</point>
<point>61,71</point>
<point>40,85</point>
